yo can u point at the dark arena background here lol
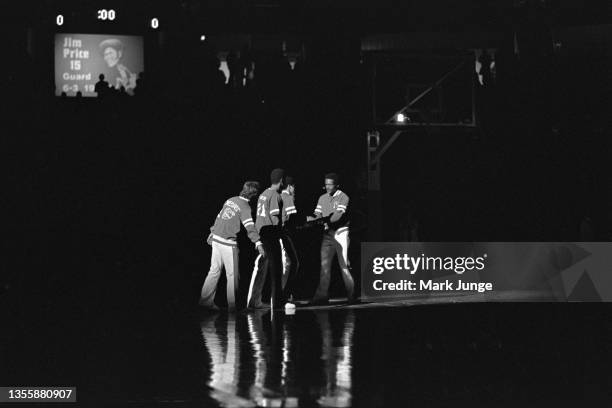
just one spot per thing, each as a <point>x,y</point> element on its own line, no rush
<point>447,121</point>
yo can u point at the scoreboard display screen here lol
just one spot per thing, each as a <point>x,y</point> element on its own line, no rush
<point>80,59</point>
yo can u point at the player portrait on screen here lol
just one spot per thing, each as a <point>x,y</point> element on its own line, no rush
<point>112,51</point>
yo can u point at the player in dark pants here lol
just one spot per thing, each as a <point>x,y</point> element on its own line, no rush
<point>333,204</point>
<point>268,223</point>
<point>289,256</point>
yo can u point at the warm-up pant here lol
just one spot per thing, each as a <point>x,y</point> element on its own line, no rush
<point>334,243</point>
<point>264,266</point>
<point>223,256</point>
<point>290,264</point>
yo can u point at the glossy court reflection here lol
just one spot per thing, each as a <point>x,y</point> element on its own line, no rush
<point>288,361</point>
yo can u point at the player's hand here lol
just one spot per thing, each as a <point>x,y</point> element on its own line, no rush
<point>261,250</point>
<point>209,239</point>
<point>310,218</point>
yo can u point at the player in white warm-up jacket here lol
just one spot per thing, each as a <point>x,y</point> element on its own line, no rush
<point>222,238</point>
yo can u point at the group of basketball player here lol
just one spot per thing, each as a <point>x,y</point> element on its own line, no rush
<point>277,257</point>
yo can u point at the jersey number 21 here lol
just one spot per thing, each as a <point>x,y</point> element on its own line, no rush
<point>261,209</point>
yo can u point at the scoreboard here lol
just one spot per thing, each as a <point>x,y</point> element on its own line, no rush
<point>103,14</point>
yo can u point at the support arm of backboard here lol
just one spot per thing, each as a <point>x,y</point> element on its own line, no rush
<point>425,92</point>
<point>386,147</point>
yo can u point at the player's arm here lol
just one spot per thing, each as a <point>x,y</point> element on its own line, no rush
<point>275,209</point>
<point>249,225</point>
<point>341,210</point>
<point>318,212</point>
<point>288,208</point>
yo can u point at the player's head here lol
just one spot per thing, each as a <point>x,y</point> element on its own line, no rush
<point>290,184</point>
<point>112,50</point>
<point>332,182</point>
<point>101,77</point>
<point>250,189</point>
<point>277,177</point>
